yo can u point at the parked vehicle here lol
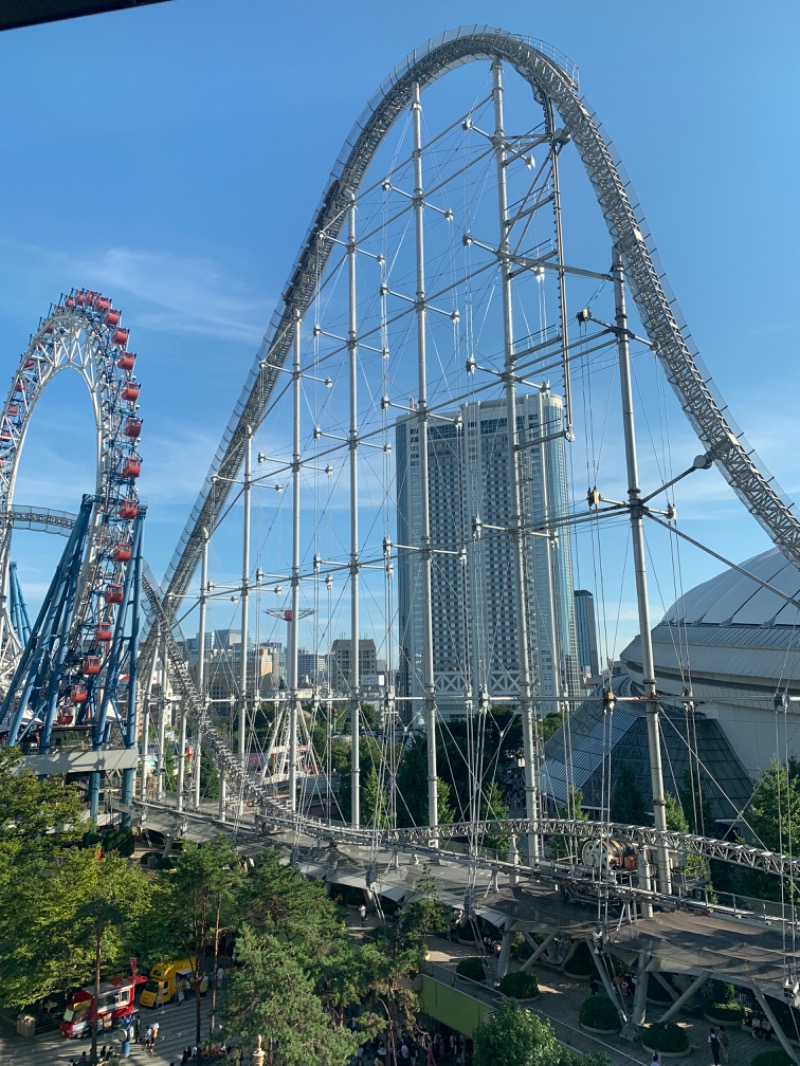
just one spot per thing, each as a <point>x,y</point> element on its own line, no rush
<point>168,979</point>
<point>114,1005</point>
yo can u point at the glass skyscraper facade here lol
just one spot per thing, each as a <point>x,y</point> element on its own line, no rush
<point>586,629</point>
<point>474,616</point>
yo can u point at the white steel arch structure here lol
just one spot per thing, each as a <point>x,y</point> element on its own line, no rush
<point>283,362</point>
<point>81,332</point>
<point>554,78</point>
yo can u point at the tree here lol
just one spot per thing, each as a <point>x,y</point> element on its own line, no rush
<point>774,817</point>
<point>114,901</point>
<point>627,802</point>
<point>695,866</point>
<point>369,757</point>
<point>203,900</point>
<point>425,914</point>
<point>280,902</point>
<point>34,813</point>
<point>390,959</point>
<point>40,883</point>
<point>573,809</point>
<point>515,1037</point>
<point>273,997</point>
<point>412,790</point>
<point>494,808</point>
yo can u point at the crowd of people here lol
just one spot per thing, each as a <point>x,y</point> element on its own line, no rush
<point>442,1047</point>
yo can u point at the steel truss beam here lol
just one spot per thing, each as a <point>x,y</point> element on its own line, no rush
<point>553,79</point>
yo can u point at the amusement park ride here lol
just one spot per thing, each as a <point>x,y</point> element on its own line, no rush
<point>427,270</point>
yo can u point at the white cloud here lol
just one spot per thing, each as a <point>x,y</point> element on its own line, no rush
<point>180,294</point>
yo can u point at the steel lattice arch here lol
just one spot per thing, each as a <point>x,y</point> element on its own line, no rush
<point>67,675</point>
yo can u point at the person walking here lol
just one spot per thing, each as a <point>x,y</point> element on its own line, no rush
<point>362,910</point>
<point>654,1061</point>
<point>724,1045</point>
<point>714,1044</point>
<point>154,1034</point>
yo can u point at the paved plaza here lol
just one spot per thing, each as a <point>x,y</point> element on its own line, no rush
<point>560,1003</point>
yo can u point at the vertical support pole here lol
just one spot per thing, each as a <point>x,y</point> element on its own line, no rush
<point>245,602</point>
<point>132,717</point>
<point>773,1021</point>
<point>426,547</point>
<point>504,956</point>
<point>530,742</point>
<point>562,287</point>
<point>181,757</point>
<point>162,724</point>
<point>145,744</point>
<point>552,611</point>
<point>94,795</point>
<point>637,539</point>
<point>294,618</point>
<point>355,664</point>
<point>201,664</point>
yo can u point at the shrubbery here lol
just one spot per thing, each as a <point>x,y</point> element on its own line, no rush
<point>669,1038</point>
<point>519,986</point>
<point>598,1012</point>
<point>775,1057</point>
<point>471,968</point>
<point>725,1013</point>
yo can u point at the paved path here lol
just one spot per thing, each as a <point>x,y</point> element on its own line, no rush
<point>177,1029</point>
<point>560,1003</point>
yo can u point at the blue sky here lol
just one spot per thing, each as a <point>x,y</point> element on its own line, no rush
<point>172,157</point>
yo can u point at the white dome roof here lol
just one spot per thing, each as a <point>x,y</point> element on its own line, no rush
<point>730,598</point>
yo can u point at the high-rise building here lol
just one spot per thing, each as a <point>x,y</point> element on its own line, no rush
<point>340,662</point>
<point>473,604</point>
<point>586,631</point>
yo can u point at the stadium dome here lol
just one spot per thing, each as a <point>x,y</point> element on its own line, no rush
<point>735,645</point>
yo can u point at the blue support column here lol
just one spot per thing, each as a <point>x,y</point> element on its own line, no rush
<point>33,692</point>
<point>132,718</point>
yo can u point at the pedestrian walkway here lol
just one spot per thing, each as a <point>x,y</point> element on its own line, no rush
<point>176,1030</point>
<point>562,997</point>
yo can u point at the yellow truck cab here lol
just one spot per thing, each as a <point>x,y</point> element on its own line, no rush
<point>167,980</point>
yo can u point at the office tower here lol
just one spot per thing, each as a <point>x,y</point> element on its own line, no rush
<point>586,632</point>
<point>341,666</point>
<point>474,616</point>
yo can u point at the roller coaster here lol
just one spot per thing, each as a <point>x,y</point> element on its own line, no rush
<point>442,276</point>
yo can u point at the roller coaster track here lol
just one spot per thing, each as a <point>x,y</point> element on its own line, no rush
<point>252,789</point>
<point>551,77</point>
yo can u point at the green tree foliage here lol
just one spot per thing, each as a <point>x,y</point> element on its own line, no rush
<point>774,816</point>
<point>278,901</point>
<point>113,902</point>
<point>369,759</point>
<point>412,790</point>
<point>493,808</point>
<point>695,865</point>
<point>515,1037</point>
<point>573,808</point>
<point>35,814</point>
<point>273,997</point>
<point>627,802</point>
<point>425,914</point>
<point>202,899</point>
<point>41,821</point>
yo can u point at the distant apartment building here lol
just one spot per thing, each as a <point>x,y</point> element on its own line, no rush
<point>312,668</point>
<point>341,668</point>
